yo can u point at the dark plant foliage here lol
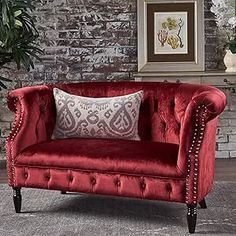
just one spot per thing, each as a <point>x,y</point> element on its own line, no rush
<point>17,35</point>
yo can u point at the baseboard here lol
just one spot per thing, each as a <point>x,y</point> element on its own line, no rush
<point>2,164</point>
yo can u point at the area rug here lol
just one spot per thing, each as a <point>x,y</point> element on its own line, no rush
<point>51,213</point>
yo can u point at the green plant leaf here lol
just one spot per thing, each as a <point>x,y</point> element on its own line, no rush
<point>18,34</point>
<point>18,23</point>
<point>17,13</point>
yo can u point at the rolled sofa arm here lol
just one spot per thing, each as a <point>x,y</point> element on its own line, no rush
<point>34,121</point>
<point>214,101</point>
<point>197,141</point>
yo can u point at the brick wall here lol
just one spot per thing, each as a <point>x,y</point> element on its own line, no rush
<point>226,131</point>
<point>87,40</point>
<point>97,40</point>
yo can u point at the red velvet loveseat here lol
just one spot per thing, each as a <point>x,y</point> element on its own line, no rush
<point>174,161</point>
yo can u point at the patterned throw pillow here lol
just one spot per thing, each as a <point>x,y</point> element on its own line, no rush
<point>85,117</point>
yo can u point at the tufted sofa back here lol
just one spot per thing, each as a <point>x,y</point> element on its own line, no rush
<point>162,108</point>
<point>162,112</point>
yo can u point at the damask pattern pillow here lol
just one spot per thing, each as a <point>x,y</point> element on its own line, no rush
<point>85,117</point>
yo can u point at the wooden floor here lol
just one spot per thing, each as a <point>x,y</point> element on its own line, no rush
<point>225,171</point>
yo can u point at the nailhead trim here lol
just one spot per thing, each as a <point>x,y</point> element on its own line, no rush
<point>192,211</point>
<point>10,139</point>
<point>192,161</point>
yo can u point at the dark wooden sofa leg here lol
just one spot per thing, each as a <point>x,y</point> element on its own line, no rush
<point>17,199</point>
<point>202,204</point>
<point>192,217</point>
<point>63,192</point>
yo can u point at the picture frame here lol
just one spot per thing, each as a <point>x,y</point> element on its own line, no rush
<point>170,35</point>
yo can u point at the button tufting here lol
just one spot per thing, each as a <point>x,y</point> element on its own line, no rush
<point>117,183</point>
<point>70,178</point>
<point>42,108</point>
<point>93,180</point>
<point>172,103</point>
<point>26,175</point>
<point>168,187</point>
<point>179,126</point>
<point>155,105</point>
<point>163,125</point>
<point>177,129</point>
<point>47,177</point>
<point>142,185</point>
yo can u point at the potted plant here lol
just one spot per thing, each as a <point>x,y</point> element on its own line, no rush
<point>232,38</point>
<point>18,36</point>
<point>230,56</point>
<point>225,12</point>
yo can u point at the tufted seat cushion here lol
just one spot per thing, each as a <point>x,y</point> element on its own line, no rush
<point>112,156</point>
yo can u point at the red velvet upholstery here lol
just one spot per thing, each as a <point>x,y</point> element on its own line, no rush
<point>118,156</point>
<point>169,189</point>
<point>183,115</point>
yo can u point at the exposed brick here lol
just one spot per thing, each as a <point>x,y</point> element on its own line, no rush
<point>222,138</point>
<point>228,115</point>
<point>232,138</point>
<point>84,67</point>
<point>92,43</point>
<point>128,67</point>
<point>233,154</point>
<point>32,83</point>
<point>93,76</point>
<point>232,122</point>
<point>68,25</point>
<point>223,122</point>
<point>122,42</point>
<point>80,51</point>
<point>39,67</point>
<point>70,61</point>
<point>72,34</point>
<point>69,43</point>
<point>119,59</point>
<point>4,126</point>
<point>51,76</point>
<point>127,16</point>
<point>210,23</point>
<point>211,40</point>
<point>232,101</point>
<point>122,33</point>
<point>226,146</point>
<point>109,16</point>
<point>59,68</point>
<point>99,34</point>
<point>51,34</point>
<point>118,77</point>
<point>117,25</point>
<point>4,129</point>
<point>222,154</point>
<point>38,77</point>
<point>62,10</point>
<point>5,116</point>
<point>73,76</point>
<point>226,130</point>
<point>109,68</point>
<point>2,146</point>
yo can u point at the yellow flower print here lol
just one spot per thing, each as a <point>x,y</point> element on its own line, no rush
<point>173,41</point>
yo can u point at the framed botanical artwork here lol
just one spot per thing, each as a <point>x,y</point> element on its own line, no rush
<point>170,35</point>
